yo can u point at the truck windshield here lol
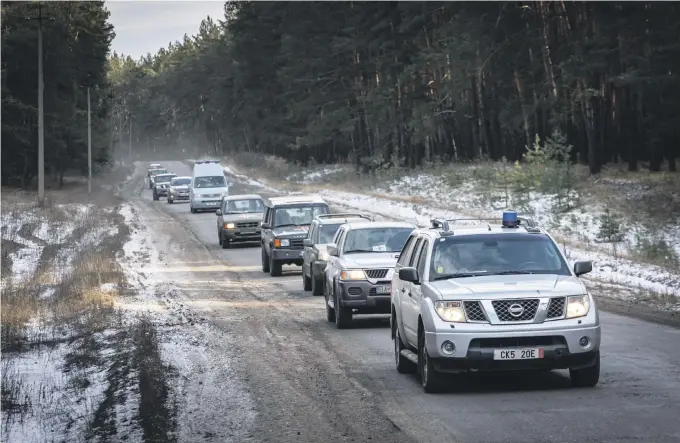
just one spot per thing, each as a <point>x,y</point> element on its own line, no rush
<point>327,232</point>
<point>180,181</point>
<point>495,254</point>
<point>164,178</point>
<point>297,215</point>
<point>210,182</point>
<point>250,205</point>
<point>376,239</point>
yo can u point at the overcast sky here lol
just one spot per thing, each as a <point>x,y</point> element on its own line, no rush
<point>145,26</point>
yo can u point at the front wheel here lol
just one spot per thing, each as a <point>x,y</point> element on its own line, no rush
<point>275,267</point>
<point>343,316</point>
<point>430,378</point>
<point>330,312</point>
<point>586,377</point>
<point>317,286</point>
<point>170,201</point>
<point>306,282</point>
<point>265,260</point>
<point>225,242</point>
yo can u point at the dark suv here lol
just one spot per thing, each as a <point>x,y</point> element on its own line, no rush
<point>315,257</point>
<point>285,224</point>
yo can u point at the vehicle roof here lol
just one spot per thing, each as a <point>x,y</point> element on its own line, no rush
<point>242,197</point>
<point>166,174</point>
<point>183,177</point>
<point>295,199</point>
<point>158,169</point>
<point>207,169</point>
<point>354,225</point>
<point>337,221</point>
<point>484,229</point>
<point>155,165</point>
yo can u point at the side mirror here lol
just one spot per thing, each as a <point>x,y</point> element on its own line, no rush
<point>308,242</point>
<point>409,275</point>
<point>582,267</point>
<point>332,250</point>
<point>218,212</point>
<point>265,226</point>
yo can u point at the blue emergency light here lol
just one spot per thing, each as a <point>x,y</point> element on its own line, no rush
<point>510,219</point>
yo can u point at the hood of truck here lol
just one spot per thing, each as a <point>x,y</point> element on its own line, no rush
<point>371,260</point>
<point>248,217</point>
<point>291,231</point>
<point>509,286</point>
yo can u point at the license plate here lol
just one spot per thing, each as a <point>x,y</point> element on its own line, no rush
<point>518,354</point>
<point>383,289</point>
<point>302,253</point>
<point>249,232</point>
<point>211,203</point>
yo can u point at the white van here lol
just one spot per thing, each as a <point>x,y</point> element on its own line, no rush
<point>208,186</point>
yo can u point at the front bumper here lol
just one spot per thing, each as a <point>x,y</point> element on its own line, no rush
<point>206,203</point>
<point>161,191</point>
<point>242,235</point>
<point>178,196</point>
<point>475,350</point>
<point>288,255</point>
<point>362,295</point>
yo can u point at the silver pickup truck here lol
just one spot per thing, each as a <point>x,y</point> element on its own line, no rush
<point>358,277</point>
<point>491,297</point>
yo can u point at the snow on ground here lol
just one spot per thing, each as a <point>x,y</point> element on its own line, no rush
<point>314,176</point>
<point>578,243</point>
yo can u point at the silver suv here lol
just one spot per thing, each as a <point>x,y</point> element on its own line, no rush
<point>361,261</point>
<point>491,297</point>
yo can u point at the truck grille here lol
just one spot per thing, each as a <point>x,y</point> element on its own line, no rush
<point>474,311</point>
<point>556,308</point>
<point>528,312</point>
<point>375,273</point>
<point>296,243</point>
<point>247,224</point>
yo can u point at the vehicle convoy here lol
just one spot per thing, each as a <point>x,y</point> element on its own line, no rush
<point>358,276</point>
<point>208,186</point>
<point>152,173</point>
<point>285,224</point>
<point>321,233</point>
<point>179,189</point>
<point>238,219</point>
<point>162,184</point>
<point>495,297</point>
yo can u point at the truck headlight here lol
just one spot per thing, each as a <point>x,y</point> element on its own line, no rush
<point>578,306</point>
<point>451,311</point>
<point>229,226</point>
<point>323,255</point>
<point>353,274</point>
<point>281,243</point>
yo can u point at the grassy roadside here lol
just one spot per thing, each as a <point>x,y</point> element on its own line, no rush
<point>74,367</point>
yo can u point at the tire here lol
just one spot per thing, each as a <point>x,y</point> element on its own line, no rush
<point>330,312</point>
<point>275,267</point>
<point>430,379</point>
<point>219,237</point>
<point>306,282</point>
<point>155,196</point>
<point>343,316</point>
<point>265,260</point>
<point>193,211</point>
<point>404,365</point>
<point>586,377</point>
<point>317,286</point>
<point>170,201</point>
<point>226,244</point>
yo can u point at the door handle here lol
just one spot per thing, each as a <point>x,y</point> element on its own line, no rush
<point>403,290</point>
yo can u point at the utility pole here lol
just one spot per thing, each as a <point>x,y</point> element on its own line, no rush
<point>41,121</point>
<point>89,144</point>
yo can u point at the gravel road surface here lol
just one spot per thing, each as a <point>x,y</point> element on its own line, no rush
<point>301,380</point>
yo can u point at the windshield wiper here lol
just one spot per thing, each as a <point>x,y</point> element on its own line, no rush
<point>361,250</point>
<point>286,225</point>
<point>461,275</point>
<point>511,273</point>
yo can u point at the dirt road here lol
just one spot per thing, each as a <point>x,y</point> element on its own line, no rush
<point>262,364</point>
